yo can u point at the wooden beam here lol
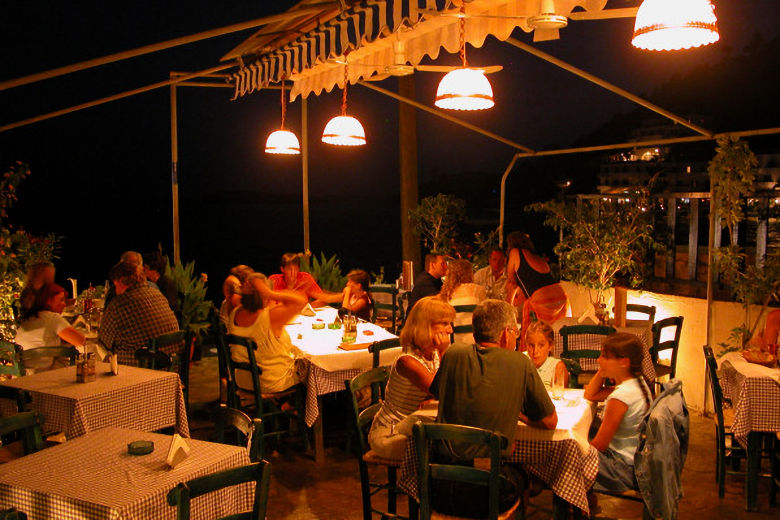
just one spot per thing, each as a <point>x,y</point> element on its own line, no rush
<point>407,149</point>
<point>693,239</point>
<point>671,243</point>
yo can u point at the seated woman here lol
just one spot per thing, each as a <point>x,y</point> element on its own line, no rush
<point>539,340</point>
<point>43,326</point>
<point>264,322</point>
<point>459,289</point>
<point>626,403</point>
<point>424,338</point>
<point>530,285</point>
<point>37,276</point>
<point>231,289</point>
<point>357,299</point>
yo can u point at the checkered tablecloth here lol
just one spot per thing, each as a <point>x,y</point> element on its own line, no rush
<point>93,478</point>
<point>562,458</point>
<point>754,391</point>
<point>137,398</point>
<point>593,342</point>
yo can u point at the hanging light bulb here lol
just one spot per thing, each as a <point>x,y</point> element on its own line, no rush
<point>464,88</point>
<point>344,130</point>
<point>283,141</point>
<point>665,25</point>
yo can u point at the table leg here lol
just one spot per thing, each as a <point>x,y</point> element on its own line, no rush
<point>753,467</point>
<point>319,437</point>
<point>560,508</point>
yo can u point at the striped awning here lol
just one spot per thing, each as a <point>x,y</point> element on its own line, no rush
<point>371,32</point>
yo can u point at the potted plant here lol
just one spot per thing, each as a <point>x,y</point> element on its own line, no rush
<point>602,240</point>
<point>193,306</point>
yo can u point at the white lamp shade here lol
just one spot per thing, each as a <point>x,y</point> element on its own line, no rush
<point>666,25</point>
<point>464,89</point>
<point>344,131</point>
<point>282,142</point>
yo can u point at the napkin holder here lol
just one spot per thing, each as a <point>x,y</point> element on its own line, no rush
<point>178,451</point>
<point>114,364</point>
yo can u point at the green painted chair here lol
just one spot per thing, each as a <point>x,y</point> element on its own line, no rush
<point>259,404</point>
<point>12,514</point>
<point>428,471</point>
<point>170,352</point>
<point>647,310</point>
<point>247,431</point>
<point>11,359</point>
<point>28,426</point>
<point>257,472</point>
<point>577,345</point>
<point>662,369</point>
<point>375,378</point>
<point>223,353</point>
<point>385,308</point>
<point>377,347</point>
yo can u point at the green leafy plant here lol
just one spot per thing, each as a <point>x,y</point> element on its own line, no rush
<point>484,243</point>
<point>602,240</point>
<point>325,271</point>
<point>732,172</point>
<point>192,297</point>
<point>436,221</point>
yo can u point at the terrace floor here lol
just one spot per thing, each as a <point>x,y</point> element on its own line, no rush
<point>303,490</point>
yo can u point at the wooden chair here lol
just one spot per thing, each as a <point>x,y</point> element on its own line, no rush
<point>223,354</point>
<point>383,307</point>
<point>257,472</point>
<point>775,485</point>
<point>378,346</point>
<point>12,514</point>
<point>248,431</point>
<point>427,471</point>
<point>578,345</point>
<point>466,328</point>
<point>28,426</point>
<point>662,369</point>
<point>68,351</point>
<point>11,359</point>
<point>262,405</point>
<point>376,378</point>
<point>403,308</point>
<point>170,352</point>
<point>726,448</point>
<point>647,310</point>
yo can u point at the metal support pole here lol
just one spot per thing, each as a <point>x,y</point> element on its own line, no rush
<point>305,173</point>
<point>693,239</point>
<point>671,243</point>
<point>502,209</point>
<point>407,148</point>
<point>175,176</point>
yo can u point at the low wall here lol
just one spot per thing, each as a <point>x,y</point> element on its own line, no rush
<point>690,359</point>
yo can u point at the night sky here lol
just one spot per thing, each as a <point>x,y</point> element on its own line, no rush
<point>101,177</point>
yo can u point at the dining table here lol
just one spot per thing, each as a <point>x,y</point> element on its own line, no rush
<point>137,398</point>
<point>641,329</point>
<point>331,361</point>
<point>95,478</point>
<point>561,458</point>
<point>754,392</point>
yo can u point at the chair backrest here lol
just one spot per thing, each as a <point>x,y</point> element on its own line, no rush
<point>67,351</point>
<point>658,345</point>
<point>647,310</point>
<point>403,307</point>
<point>717,391</point>
<point>390,308</point>
<point>424,434</point>
<point>12,514</point>
<point>465,328</point>
<point>11,359</point>
<point>248,431</point>
<point>575,342</point>
<point>247,344</point>
<point>376,378</point>
<point>258,472</point>
<point>378,346</point>
<point>28,425</point>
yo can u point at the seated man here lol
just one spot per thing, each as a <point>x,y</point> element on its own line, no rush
<point>488,385</point>
<point>154,269</point>
<point>294,279</point>
<point>493,276</point>
<point>135,315</point>
<point>428,282</point>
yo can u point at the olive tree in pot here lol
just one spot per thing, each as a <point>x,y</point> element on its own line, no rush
<point>602,240</point>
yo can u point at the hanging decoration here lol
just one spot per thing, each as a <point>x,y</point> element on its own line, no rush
<point>283,141</point>
<point>344,130</point>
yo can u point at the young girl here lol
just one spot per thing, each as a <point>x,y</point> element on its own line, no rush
<point>626,404</point>
<point>357,299</point>
<point>539,340</point>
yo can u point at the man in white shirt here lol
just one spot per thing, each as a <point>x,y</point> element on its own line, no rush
<point>493,277</point>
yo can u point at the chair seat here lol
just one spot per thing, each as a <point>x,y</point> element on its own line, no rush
<point>246,395</point>
<point>504,515</point>
<point>372,458</point>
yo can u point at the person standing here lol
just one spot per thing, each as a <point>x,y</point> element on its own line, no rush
<point>493,276</point>
<point>429,282</point>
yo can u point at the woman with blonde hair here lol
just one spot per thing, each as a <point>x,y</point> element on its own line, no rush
<point>459,289</point>
<point>424,338</point>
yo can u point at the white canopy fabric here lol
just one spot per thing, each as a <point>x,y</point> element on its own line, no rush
<point>373,32</point>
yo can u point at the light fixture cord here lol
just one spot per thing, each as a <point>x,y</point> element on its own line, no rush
<point>344,93</point>
<point>462,41</point>
<point>284,105</point>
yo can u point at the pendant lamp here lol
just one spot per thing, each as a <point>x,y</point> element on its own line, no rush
<point>464,88</point>
<point>283,141</point>
<point>344,130</point>
<point>666,25</point>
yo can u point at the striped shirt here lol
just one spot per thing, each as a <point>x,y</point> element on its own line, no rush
<point>402,397</point>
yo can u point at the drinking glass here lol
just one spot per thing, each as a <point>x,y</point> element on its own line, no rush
<point>349,326</point>
<point>558,385</point>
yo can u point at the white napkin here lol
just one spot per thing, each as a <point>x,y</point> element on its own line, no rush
<point>308,310</point>
<point>179,450</point>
